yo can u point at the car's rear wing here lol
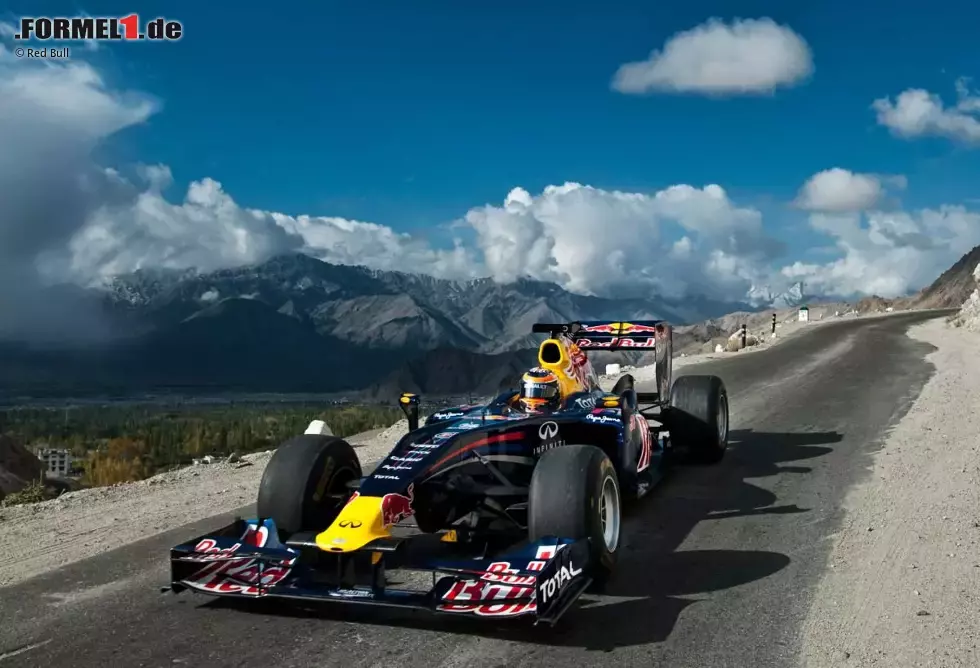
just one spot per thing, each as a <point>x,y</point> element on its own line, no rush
<point>610,335</point>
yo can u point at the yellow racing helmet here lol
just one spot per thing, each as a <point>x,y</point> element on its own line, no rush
<point>540,391</point>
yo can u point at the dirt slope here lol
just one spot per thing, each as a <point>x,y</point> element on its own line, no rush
<point>18,467</point>
<point>953,287</point>
<point>903,582</point>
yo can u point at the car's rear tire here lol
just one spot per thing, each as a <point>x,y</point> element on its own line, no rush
<point>575,494</point>
<point>305,483</point>
<point>698,417</point>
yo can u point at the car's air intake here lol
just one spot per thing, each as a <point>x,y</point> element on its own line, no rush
<point>549,353</point>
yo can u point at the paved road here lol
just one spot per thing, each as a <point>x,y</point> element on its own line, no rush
<point>716,571</point>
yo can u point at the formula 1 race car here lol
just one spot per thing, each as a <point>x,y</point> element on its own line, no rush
<point>507,512</point>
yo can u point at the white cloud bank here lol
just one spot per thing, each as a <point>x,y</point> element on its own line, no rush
<point>889,253</point>
<point>750,56</point>
<point>51,118</point>
<point>918,113</point>
<point>682,240</point>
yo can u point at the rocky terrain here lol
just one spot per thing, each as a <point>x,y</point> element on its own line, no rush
<point>18,466</point>
<point>903,579</point>
<point>952,288</point>
<point>969,315</point>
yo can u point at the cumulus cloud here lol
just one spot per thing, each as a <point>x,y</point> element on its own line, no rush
<point>749,56</point>
<point>888,253</point>
<point>593,241</point>
<point>840,190</point>
<point>52,116</point>
<point>918,113</point>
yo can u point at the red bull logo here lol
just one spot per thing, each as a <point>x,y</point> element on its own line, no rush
<point>623,328</point>
<point>396,507</point>
<point>620,342</point>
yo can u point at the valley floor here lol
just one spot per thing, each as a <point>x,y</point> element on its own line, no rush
<point>902,587</point>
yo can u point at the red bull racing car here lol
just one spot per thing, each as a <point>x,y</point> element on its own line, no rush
<point>506,509</point>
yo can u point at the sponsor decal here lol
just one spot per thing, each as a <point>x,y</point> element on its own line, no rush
<point>601,419</point>
<point>442,436</point>
<point>548,433</point>
<point>426,446</point>
<point>396,507</point>
<point>350,524</point>
<point>621,328</point>
<point>553,586</point>
<point>386,477</point>
<point>493,594</point>
<point>406,459</point>
<point>621,342</point>
<point>353,593</point>
<point>447,415</point>
<point>548,430</point>
<point>397,467</point>
<point>245,576</point>
<point>487,597</point>
<point>462,426</point>
<point>585,402</point>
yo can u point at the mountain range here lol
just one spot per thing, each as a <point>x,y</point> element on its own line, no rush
<point>295,323</point>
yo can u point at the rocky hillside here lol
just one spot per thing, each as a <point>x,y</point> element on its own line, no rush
<point>969,314</point>
<point>18,467</point>
<point>953,287</point>
<point>385,309</point>
<point>296,323</point>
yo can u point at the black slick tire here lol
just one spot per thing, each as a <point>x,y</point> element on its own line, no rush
<point>571,487</point>
<point>305,483</point>
<point>698,418</point>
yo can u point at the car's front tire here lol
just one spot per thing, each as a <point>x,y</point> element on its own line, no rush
<point>575,494</point>
<point>305,483</point>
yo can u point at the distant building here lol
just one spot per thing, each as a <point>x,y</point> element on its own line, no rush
<point>56,462</point>
<point>804,314</point>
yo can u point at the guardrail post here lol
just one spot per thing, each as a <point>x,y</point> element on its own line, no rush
<point>743,334</point>
<point>773,323</point>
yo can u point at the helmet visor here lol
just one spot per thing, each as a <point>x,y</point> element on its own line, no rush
<point>546,391</point>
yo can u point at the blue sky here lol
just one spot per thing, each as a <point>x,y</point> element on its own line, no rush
<point>404,112</point>
<point>408,114</point>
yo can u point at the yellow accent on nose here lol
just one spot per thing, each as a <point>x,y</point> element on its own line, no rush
<point>358,523</point>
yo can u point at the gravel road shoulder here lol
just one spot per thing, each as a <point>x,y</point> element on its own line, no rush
<point>40,537</point>
<point>903,581</point>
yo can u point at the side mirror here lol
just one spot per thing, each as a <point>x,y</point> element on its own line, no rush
<point>409,404</point>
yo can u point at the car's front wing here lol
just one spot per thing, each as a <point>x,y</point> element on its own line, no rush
<point>246,560</point>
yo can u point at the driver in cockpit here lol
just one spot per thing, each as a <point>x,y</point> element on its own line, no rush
<point>540,392</point>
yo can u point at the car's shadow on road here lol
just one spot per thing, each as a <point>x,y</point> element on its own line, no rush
<point>654,581</point>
